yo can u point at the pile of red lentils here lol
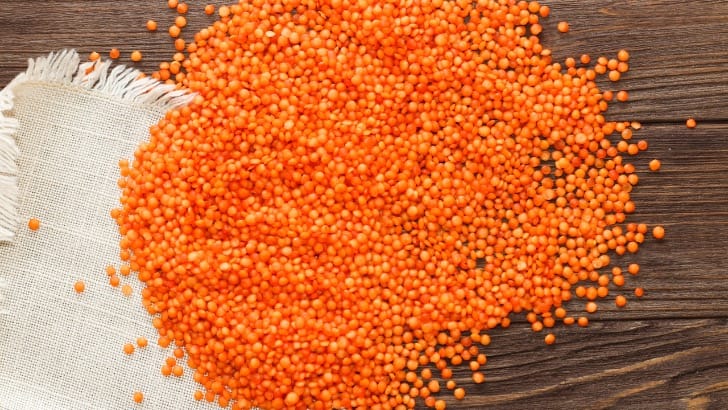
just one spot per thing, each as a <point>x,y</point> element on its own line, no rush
<point>361,190</point>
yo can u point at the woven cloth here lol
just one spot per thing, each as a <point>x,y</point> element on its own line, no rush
<point>60,349</point>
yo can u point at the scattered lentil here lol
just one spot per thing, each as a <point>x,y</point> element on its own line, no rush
<point>128,348</point>
<point>33,224</point>
<point>79,286</point>
<point>655,165</point>
<point>138,397</point>
<point>620,301</point>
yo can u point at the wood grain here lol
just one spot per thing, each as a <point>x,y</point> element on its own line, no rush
<point>668,350</point>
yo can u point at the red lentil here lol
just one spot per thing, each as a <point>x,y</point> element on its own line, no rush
<point>128,348</point>
<point>136,56</point>
<point>138,397</point>
<point>288,197</point>
<point>79,286</point>
<point>180,21</point>
<point>655,165</point>
<point>174,31</point>
<point>33,224</point>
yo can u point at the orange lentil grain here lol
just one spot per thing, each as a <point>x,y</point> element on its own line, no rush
<point>124,270</point>
<point>639,292</point>
<point>210,9</point>
<point>690,123</point>
<point>655,165</point>
<point>658,232</point>
<point>79,286</point>
<point>550,339</point>
<point>138,397</point>
<point>142,341</point>
<point>179,44</point>
<point>633,268</point>
<point>114,53</point>
<point>33,224</point>
<point>128,348</point>
<point>94,56</point>
<point>174,31</point>
<point>152,25</point>
<point>563,27</point>
<point>620,301</point>
<point>136,56</point>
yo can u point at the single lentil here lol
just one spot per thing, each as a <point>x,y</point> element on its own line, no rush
<point>79,286</point>
<point>33,224</point>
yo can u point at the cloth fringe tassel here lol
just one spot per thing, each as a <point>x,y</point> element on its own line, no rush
<point>65,68</point>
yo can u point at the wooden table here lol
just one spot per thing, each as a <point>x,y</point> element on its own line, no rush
<point>667,350</point>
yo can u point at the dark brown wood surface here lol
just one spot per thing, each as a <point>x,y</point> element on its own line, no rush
<point>668,350</point>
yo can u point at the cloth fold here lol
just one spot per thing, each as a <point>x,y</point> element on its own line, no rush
<point>64,125</point>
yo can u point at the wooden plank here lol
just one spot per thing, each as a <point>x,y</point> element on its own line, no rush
<point>666,350</point>
<point>678,69</point>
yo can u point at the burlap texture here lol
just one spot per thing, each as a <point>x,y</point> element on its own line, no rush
<point>60,349</point>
